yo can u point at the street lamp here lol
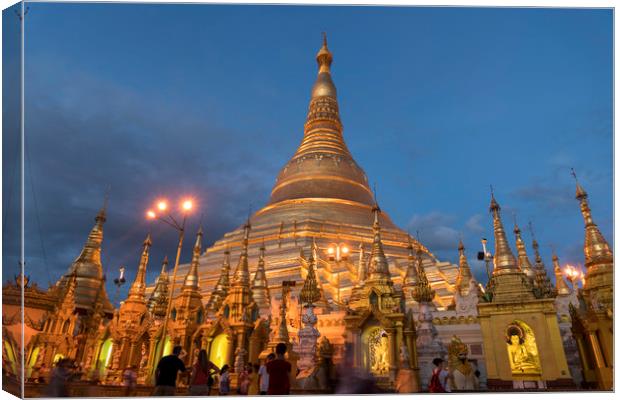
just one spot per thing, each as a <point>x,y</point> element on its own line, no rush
<point>487,257</point>
<point>161,212</point>
<point>118,282</point>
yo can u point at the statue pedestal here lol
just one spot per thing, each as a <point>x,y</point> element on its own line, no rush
<point>308,336</point>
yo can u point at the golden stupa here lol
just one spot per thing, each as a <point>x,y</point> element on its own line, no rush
<point>321,194</point>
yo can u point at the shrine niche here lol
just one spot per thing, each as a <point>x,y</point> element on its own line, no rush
<point>522,349</point>
<point>376,348</point>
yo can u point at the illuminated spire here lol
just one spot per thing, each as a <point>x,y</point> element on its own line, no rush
<point>504,260</point>
<point>465,276</point>
<point>322,166</point>
<point>362,272</point>
<point>221,287</point>
<point>378,262</point>
<point>541,280</point>
<point>423,292</point>
<point>138,287</point>
<point>241,276</point>
<point>91,252</point>
<point>560,284</point>
<point>191,279</point>
<point>158,302</point>
<point>260,287</point>
<point>523,261</point>
<point>596,248</point>
<point>310,293</point>
<point>411,276</point>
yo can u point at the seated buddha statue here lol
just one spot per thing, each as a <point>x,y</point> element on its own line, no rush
<point>521,360</point>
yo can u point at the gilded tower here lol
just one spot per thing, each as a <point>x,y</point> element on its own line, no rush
<point>593,321</point>
<point>522,343</point>
<point>321,194</point>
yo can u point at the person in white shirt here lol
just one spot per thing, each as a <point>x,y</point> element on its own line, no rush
<point>263,376</point>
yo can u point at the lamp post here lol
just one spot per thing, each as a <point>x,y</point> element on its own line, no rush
<point>118,282</point>
<point>162,213</point>
<point>487,257</point>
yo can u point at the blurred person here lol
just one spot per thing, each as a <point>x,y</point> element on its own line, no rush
<point>253,390</point>
<point>263,375</point>
<point>130,379</point>
<point>224,380</point>
<point>351,380</point>
<point>279,371</point>
<point>166,373</point>
<point>200,380</point>
<point>59,379</point>
<point>243,381</point>
<point>439,378</point>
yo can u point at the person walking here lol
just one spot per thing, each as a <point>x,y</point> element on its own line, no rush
<point>243,380</point>
<point>263,376</point>
<point>166,373</point>
<point>59,381</point>
<point>253,390</point>
<point>279,371</point>
<point>224,380</point>
<point>439,378</point>
<point>200,380</point>
<point>130,379</point>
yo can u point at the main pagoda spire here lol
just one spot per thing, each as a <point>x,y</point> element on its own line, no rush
<point>322,166</point>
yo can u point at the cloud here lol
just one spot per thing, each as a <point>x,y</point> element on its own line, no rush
<point>435,231</point>
<point>474,223</point>
<point>90,133</point>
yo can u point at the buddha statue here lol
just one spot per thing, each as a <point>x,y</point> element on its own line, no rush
<point>522,360</point>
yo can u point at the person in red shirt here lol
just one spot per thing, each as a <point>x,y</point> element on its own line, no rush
<point>279,371</point>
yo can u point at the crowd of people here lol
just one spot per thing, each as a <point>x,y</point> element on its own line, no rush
<point>204,378</point>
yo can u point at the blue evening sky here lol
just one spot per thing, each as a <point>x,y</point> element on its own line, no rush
<point>437,104</point>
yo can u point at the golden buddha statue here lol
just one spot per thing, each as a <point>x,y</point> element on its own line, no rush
<point>522,352</point>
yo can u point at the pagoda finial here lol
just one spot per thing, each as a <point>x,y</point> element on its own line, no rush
<point>242,273</point>
<point>158,302</point>
<point>260,286</point>
<point>223,284</point>
<point>465,275</point>
<point>378,262</point>
<point>411,275</point>
<point>191,279</point>
<point>504,260</point>
<point>561,286</point>
<point>138,287</point>
<point>542,283</point>
<point>523,261</point>
<point>310,293</point>
<point>422,291</point>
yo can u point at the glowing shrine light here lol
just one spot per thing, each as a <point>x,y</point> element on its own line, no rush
<point>330,250</point>
<point>187,205</point>
<point>162,205</point>
<point>345,250</point>
<point>150,214</point>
